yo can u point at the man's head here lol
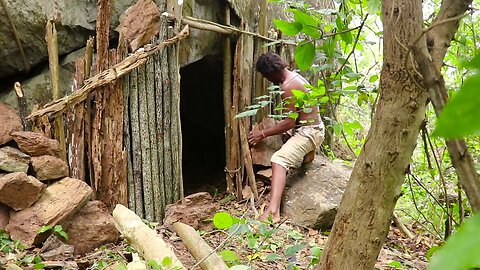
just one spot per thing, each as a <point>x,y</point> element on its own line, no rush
<point>271,66</point>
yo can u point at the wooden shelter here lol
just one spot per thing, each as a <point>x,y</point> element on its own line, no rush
<point>125,116</point>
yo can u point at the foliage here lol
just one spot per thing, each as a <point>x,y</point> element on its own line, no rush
<point>262,241</point>
<point>460,117</point>
<point>461,250</point>
<point>9,246</point>
<point>57,230</point>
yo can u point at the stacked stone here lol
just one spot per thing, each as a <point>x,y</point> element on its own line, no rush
<point>35,191</point>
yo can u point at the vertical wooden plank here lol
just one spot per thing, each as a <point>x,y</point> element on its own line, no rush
<point>167,120</point>
<point>146,146</point>
<point>227,102</point>
<point>155,179</point>
<point>77,159</point>
<point>136,144</point>
<point>127,142</point>
<point>246,81</point>
<point>159,188</point>
<point>234,165</point>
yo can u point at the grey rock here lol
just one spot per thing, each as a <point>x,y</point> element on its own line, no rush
<point>13,160</point>
<point>314,192</point>
<point>75,21</point>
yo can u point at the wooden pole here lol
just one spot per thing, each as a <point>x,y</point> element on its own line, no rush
<point>145,240</point>
<point>159,188</point>
<point>260,88</point>
<point>234,166</point>
<point>22,106</point>
<point>227,102</point>
<point>200,250</point>
<point>52,45</point>
<point>145,150</point>
<point>136,144</point>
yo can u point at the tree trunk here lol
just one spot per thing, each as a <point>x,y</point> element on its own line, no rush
<point>363,219</point>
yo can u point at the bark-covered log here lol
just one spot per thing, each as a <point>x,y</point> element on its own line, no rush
<point>200,250</point>
<point>159,187</point>
<point>145,240</point>
<point>136,144</point>
<point>227,102</point>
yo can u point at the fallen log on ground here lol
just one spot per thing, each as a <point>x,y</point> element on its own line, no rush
<point>200,250</point>
<point>145,240</point>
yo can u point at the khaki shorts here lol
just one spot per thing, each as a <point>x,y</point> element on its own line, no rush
<point>304,140</point>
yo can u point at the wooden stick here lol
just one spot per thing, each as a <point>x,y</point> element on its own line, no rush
<point>52,46</point>
<point>227,102</point>
<point>223,29</point>
<point>234,166</point>
<point>22,106</point>
<point>105,77</point>
<point>200,250</point>
<point>145,240</point>
<point>159,188</point>
<point>399,224</point>
<point>127,137</point>
<point>247,158</point>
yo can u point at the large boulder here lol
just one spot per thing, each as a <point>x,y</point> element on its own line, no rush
<point>36,144</point>
<point>49,167</point>
<point>13,160</point>
<point>314,191</point>
<point>19,191</point>
<point>91,227</point>
<point>75,21</point>
<point>10,122</point>
<point>58,203</point>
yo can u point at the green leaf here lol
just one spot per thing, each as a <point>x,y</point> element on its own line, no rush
<point>57,228</point>
<point>246,113</point>
<point>272,257</point>
<point>373,78</point>
<point>240,267</point>
<point>42,265</point>
<point>373,6</point>
<point>432,251</point>
<point>309,24</point>
<point>295,235</point>
<point>461,249</point>
<point>304,55</point>
<point>292,250</point>
<point>461,115</point>
<point>167,261</point>
<point>44,228</point>
<point>222,220</point>
<point>316,251</point>
<point>395,264</point>
<point>298,93</point>
<point>288,28</point>
<point>154,264</point>
<point>228,256</point>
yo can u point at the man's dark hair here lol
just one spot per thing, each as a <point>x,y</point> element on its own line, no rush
<point>270,62</point>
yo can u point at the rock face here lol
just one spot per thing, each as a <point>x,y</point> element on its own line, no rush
<point>13,160</point>
<point>139,32</point>
<point>75,21</point>
<point>59,201</point>
<point>263,151</point>
<point>49,167</point>
<point>91,227</point>
<point>314,192</point>
<point>191,210</point>
<point>4,215</point>
<point>19,191</point>
<point>36,144</point>
<point>10,122</point>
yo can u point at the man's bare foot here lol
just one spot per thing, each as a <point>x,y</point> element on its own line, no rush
<point>269,215</point>
<point>309,157</point>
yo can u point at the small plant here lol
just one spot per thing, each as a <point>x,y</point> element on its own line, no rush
<point>57,230</point>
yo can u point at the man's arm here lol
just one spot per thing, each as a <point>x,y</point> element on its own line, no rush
<point>281,127</point>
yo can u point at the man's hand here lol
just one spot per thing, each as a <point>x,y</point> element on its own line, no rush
<point>254,137</point>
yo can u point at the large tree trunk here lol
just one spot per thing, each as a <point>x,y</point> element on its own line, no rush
<point>363,219</point>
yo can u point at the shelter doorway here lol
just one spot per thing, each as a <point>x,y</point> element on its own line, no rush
<point>203,124</point>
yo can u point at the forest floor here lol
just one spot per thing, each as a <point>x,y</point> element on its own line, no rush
<point>280,246</point>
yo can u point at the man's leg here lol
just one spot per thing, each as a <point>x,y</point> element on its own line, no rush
<point>279,176</point>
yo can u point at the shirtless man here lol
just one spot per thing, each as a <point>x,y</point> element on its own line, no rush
<point>308,129</point>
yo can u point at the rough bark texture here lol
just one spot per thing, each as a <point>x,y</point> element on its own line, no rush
<point>363,218</point>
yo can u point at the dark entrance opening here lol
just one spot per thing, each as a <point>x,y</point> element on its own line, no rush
<point>202,116</point>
